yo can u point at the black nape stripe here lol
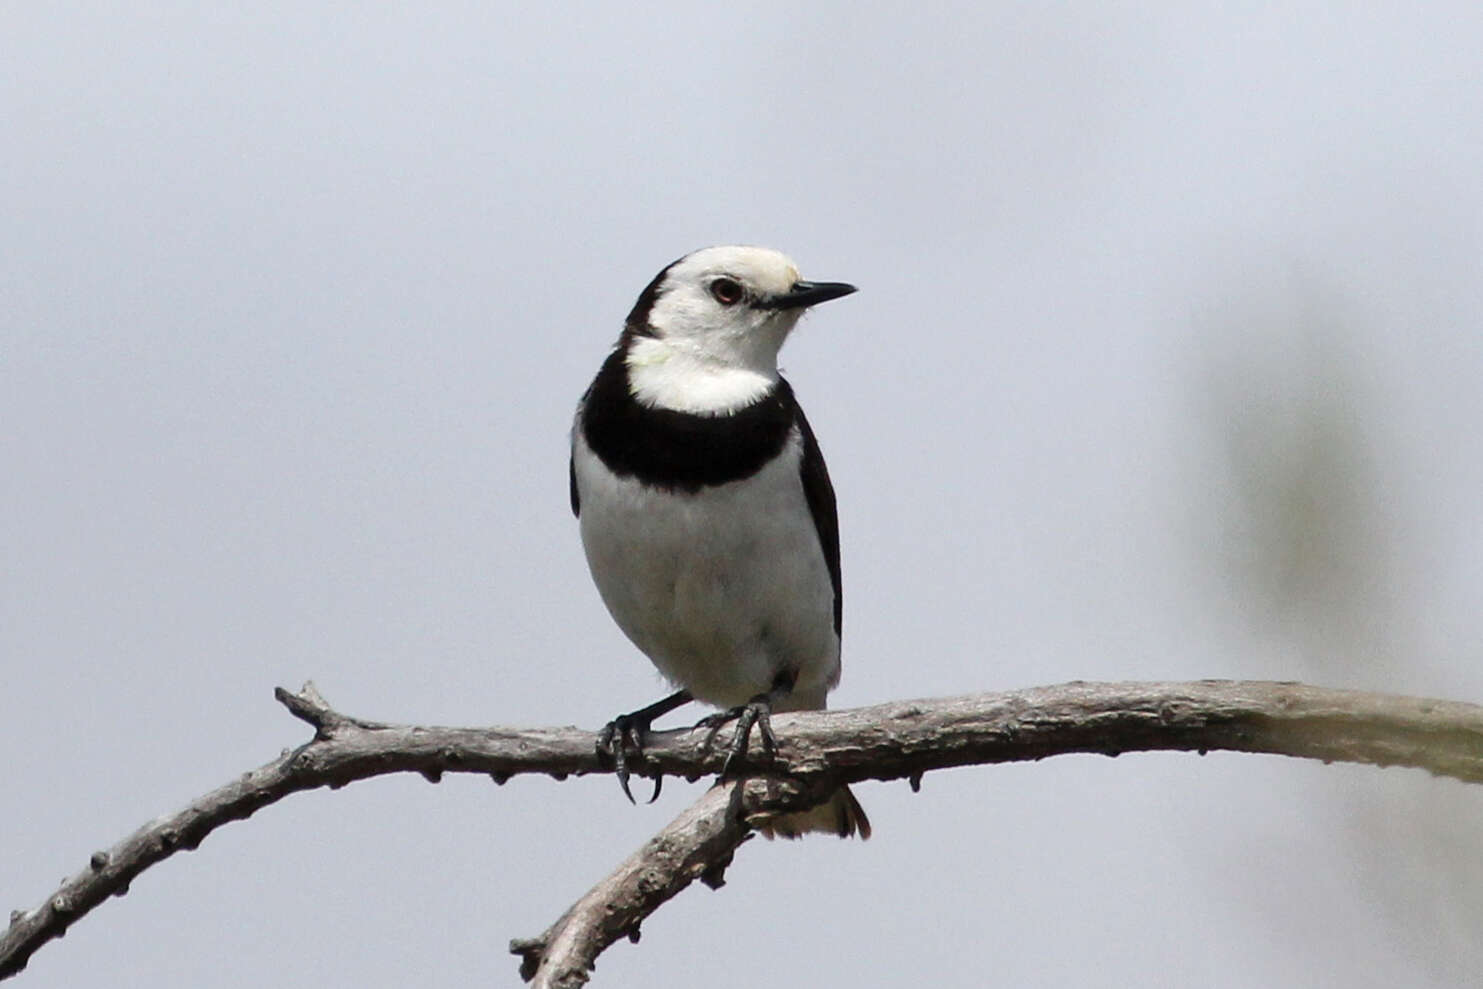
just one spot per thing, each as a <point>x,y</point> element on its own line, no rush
<point>637,323</point>
<point>679,450</point>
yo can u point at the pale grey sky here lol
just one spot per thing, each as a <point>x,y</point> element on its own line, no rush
<point>1166,363</point>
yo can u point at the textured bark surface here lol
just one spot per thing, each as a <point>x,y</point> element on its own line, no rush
<point>817,750</point>
<point>696,845</point>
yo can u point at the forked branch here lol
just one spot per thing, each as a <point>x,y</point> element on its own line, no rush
<point>818,750</point>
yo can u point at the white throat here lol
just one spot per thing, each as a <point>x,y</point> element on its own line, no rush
<point>663,375</point>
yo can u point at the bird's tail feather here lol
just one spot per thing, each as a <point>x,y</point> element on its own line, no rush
<point>841,815</point>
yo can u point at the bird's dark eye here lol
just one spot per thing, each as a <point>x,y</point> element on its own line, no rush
<point>727,291</point>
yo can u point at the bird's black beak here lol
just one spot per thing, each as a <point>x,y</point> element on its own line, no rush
<point>808,294</point>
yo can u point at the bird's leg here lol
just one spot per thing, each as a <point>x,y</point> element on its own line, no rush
<point>627,730</point>
<point>757,711</point>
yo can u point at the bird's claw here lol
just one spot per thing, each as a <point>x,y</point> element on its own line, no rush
<point>616,738</point>
<point>757,711</point>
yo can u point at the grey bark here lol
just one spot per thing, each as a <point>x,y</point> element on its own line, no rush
<point>818,750</point>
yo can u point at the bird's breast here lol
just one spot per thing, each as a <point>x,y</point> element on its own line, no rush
<point>722,587</point>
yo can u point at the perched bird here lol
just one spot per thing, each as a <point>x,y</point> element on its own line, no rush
<point>705,507</point>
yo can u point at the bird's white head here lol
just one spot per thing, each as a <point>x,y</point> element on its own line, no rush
<point>704,336</point>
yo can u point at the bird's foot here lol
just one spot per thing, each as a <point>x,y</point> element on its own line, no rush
<point>757,711</point>
<point>623,737</point>
<point>620,736</point>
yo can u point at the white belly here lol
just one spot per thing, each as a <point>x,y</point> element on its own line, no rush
<point>723,589</point>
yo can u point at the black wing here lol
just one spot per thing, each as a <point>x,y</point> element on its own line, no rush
<point>820,495</point>
<point>571,461</point>
<point>571,469</point>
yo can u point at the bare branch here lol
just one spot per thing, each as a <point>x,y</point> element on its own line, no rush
<point>907,739</point>
<point>696,845</point>
<point>818,749</point>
